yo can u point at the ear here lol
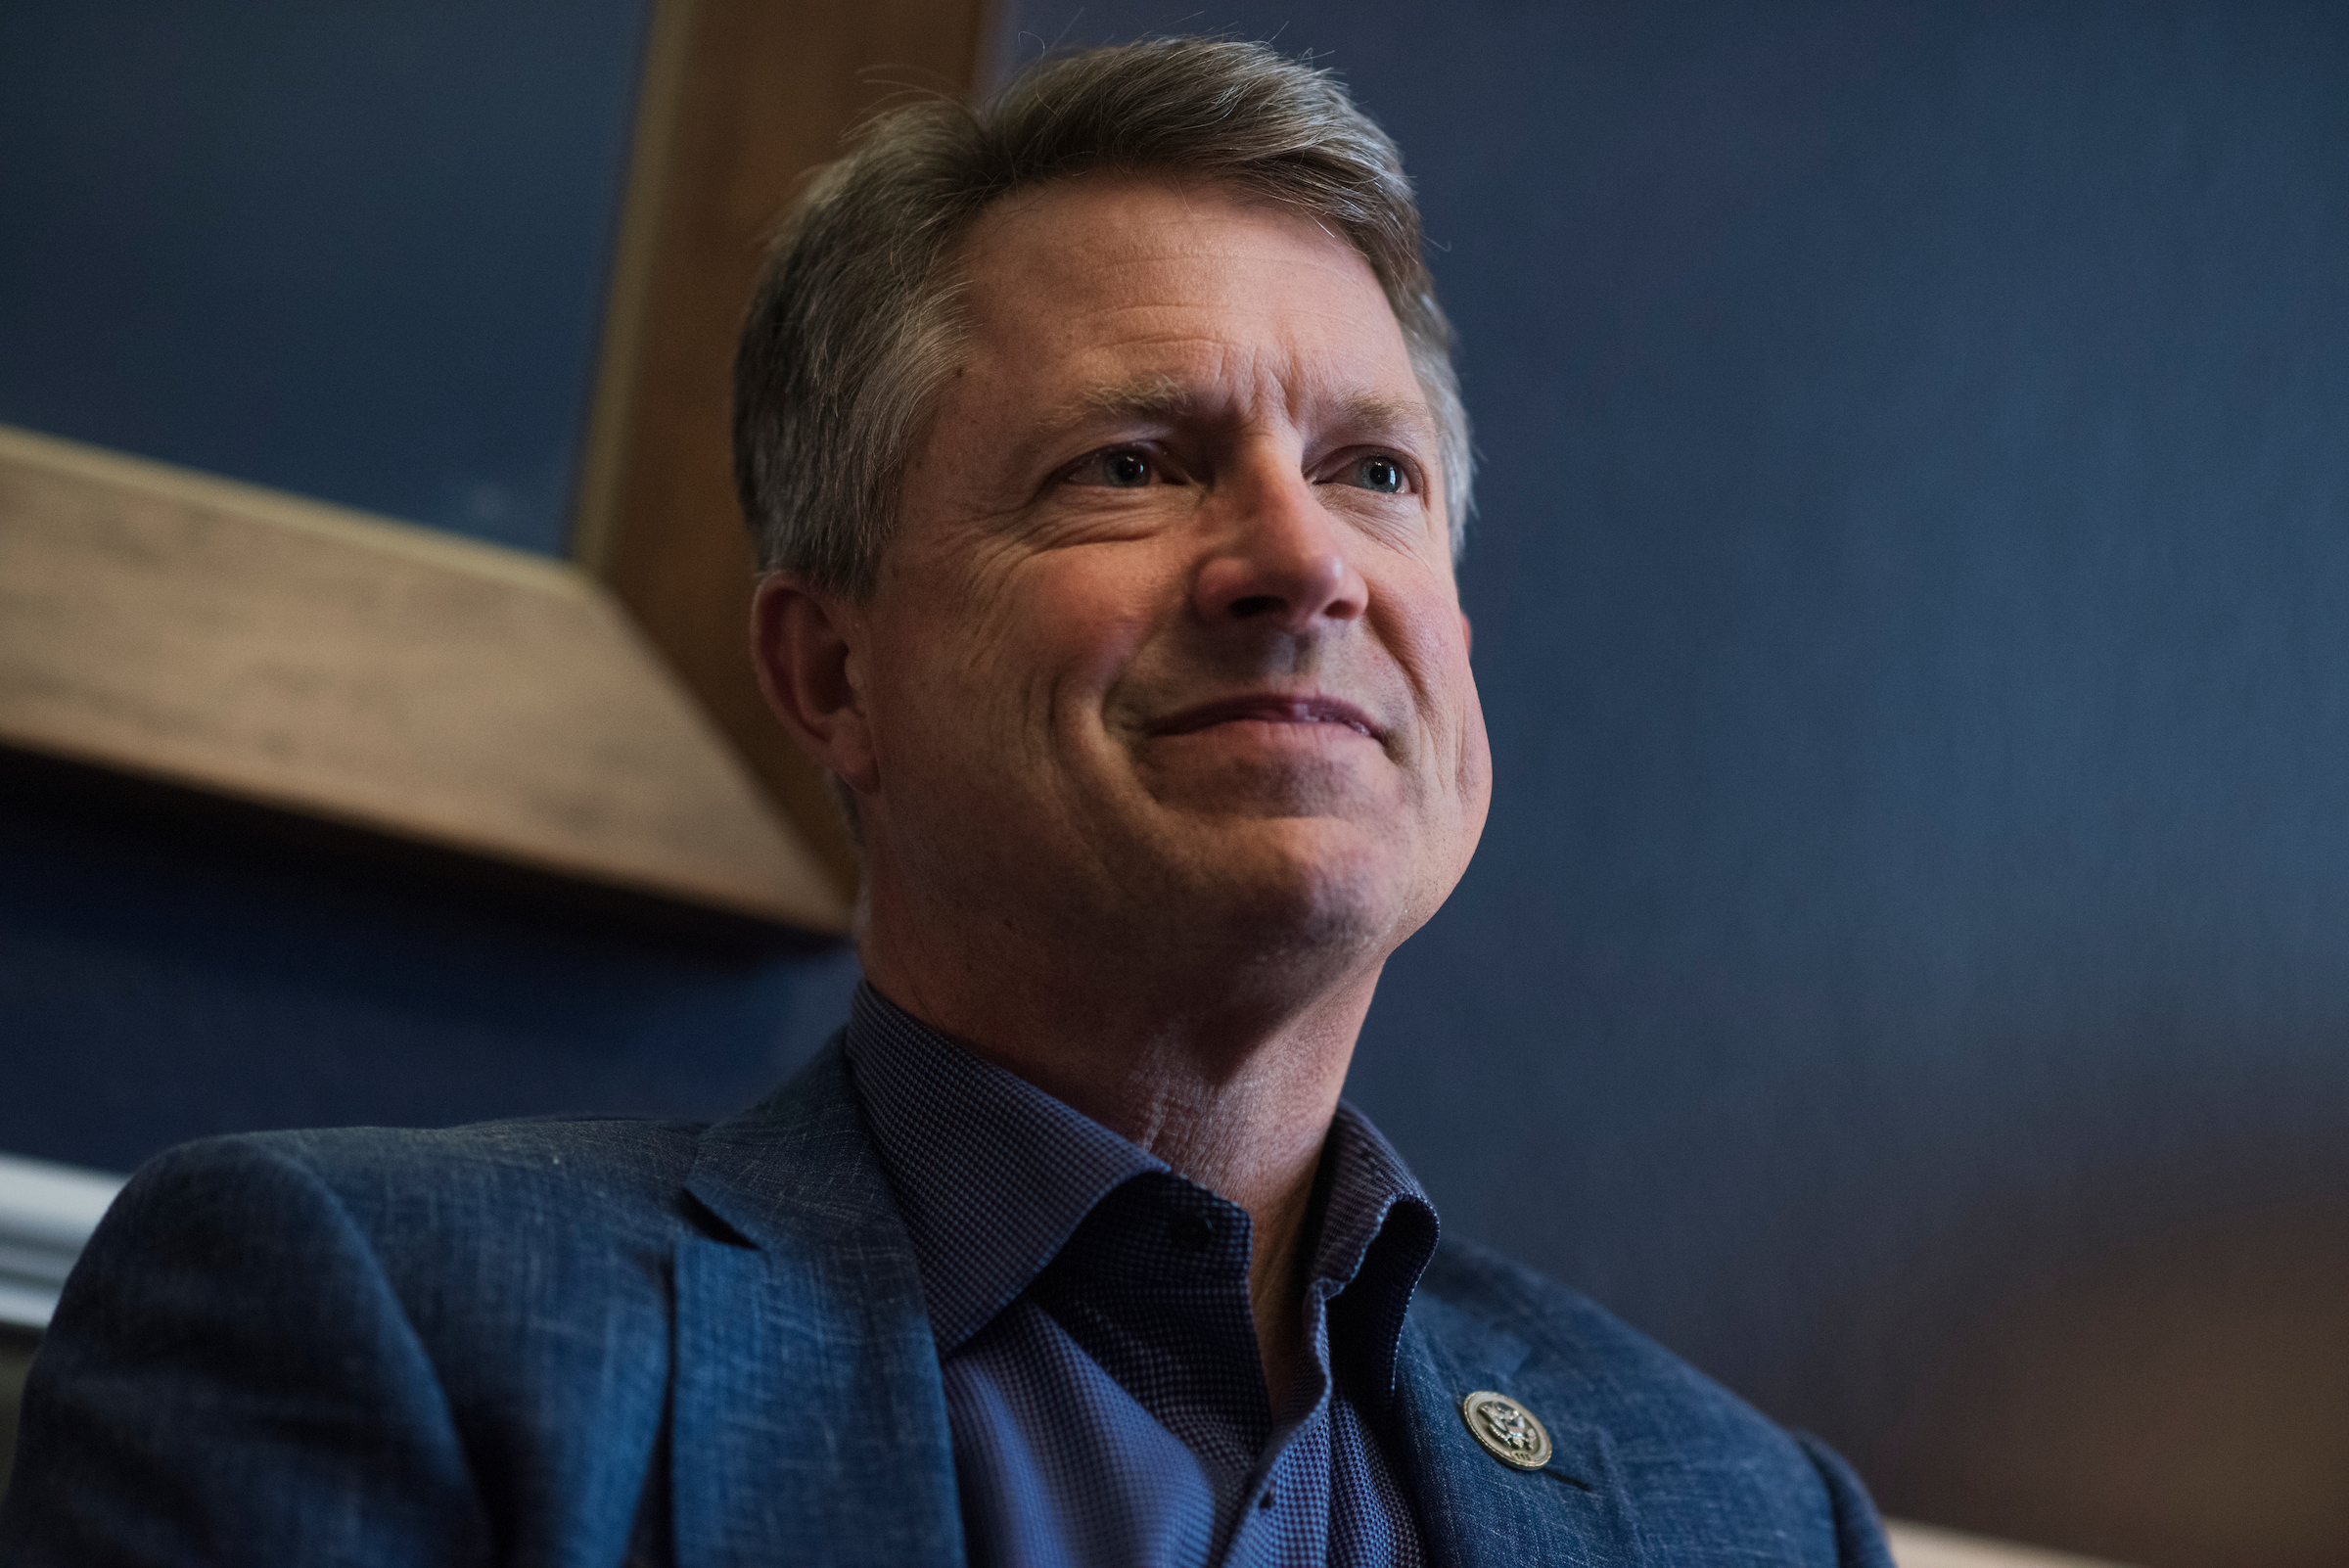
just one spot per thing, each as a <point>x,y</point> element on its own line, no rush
<point>807,647</point>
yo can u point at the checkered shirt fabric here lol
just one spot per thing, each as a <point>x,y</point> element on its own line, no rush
<point>1092,1319</point>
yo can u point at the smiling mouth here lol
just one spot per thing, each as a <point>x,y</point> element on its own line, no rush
<point>1270,709</point>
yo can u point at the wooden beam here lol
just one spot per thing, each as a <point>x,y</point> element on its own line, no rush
<point>278,649</point>
<point>739,99</point>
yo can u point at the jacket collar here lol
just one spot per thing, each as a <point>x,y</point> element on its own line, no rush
<point>808,1403</point>
<point>1479,1511</point>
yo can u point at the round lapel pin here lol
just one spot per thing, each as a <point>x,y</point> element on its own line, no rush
<point>1506,1429</point>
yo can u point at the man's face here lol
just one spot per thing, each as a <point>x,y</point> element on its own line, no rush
<point>1168,645</point>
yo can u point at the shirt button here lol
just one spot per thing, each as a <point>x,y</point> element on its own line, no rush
<point>1265,1501</point>
<point>1193,1232</point>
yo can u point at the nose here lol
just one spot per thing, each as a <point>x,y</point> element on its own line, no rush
<point>1280,563</point>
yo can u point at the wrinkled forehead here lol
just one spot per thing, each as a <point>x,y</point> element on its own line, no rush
<point>1153,296</point>
<point>1059,206</point>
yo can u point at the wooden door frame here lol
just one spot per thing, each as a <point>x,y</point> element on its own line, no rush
<point>739,99</point>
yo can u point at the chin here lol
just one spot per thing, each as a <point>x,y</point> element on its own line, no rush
<point>1287,887</point>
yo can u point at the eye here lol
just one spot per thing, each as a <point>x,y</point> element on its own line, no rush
<point>1379,473</point>
<point>1118,469</point>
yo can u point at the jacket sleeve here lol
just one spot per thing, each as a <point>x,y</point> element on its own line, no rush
<point>230,1378</point>
<point>1859,1532</point>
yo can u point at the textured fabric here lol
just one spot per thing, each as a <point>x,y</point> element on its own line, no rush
<point>595,1342</point>
<point>1099,1353</point>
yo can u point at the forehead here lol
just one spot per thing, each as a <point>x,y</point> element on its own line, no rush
<point>1119,282</point>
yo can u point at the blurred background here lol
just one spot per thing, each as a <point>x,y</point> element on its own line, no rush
<point>1907,971</point>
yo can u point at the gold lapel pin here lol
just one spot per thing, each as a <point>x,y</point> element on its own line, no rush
<point>1506,1429</point>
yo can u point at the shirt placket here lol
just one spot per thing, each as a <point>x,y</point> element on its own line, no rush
<point>1285,1520</point>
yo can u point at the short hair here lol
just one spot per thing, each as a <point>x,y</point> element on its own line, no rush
<point>857,322</point>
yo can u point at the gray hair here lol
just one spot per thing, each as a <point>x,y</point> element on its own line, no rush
<point>855,325</point>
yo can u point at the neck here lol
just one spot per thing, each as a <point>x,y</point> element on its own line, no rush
<point>1233,1085</point>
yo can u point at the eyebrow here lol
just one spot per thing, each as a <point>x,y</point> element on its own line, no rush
<point>1377,412</point>
<point>1154,395</point>
<point>1164,397</point>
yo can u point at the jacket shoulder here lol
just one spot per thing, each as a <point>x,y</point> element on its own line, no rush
<point>360,1344</point>
<point>476,1231</point>
<point>525,1173</point>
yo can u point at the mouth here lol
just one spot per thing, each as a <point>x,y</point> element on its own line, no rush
<point>1270,708</point>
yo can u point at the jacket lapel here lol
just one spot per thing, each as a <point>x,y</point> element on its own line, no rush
<point>810,1422</point>
<point>1479,1512</point>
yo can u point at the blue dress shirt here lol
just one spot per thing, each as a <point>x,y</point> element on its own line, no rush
<point>1092,1319</point>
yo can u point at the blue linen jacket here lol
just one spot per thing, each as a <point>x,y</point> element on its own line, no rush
<point>602,1342</point>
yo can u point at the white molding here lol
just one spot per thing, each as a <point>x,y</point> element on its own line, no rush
<point>47,1212</point>
<point>1915,1546</point>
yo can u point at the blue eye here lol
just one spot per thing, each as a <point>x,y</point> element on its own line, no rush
<point>1381,473</point>
<point>1127,470</point>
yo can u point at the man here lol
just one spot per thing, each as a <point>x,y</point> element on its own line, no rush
<point>1109,470</point>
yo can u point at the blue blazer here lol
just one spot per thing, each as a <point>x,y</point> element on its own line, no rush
<point>604,1342</point>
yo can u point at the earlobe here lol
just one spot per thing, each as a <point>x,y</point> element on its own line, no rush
<point>807,648</point>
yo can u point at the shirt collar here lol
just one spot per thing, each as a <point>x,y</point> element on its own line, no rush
<point>1363,1181</point>
<point>994,1176</point>
<point>1375,1235</point>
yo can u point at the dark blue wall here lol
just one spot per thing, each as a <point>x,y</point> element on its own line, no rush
<point>1910,595</point>
<point>169,970</point>
<point>356,252</point>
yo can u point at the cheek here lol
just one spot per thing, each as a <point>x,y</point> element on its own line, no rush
<point>1431,642</point>
<point>1455,771</point>
<point>1465,758</point>
<point>1475,776</point>
<point>1005,675</point>
<point>935,686</point>
<point>1085,615</point>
